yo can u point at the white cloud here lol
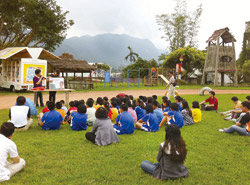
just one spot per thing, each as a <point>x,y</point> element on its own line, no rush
<point>137,18</point>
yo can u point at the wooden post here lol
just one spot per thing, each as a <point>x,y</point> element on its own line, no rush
<point>74,75</point>
<point>217,63</point>
<point>90,81</point>
<point>222,78</point>
<point>82,76</point>
<point>67,80</point>
<point>157,72</point>
<point>235,66</point>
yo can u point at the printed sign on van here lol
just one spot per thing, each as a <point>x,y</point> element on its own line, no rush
<point>29,72</point>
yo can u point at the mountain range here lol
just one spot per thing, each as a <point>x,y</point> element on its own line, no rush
<point>107,48</point>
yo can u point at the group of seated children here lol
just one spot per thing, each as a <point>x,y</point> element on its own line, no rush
<point>145,113</point>
<point>240,115</point>
<point>179,112</point>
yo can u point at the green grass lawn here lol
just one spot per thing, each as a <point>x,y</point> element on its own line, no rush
<point>66,157</point>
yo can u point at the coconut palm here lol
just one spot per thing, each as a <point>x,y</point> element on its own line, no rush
<point>132,56</point>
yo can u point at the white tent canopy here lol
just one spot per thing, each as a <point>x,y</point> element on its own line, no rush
<point>25,52</point>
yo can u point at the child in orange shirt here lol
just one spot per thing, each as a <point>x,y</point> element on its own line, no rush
<point>61,111</point>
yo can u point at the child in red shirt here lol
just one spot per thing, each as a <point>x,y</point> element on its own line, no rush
<point>213,102</point>
<point>45,109</point>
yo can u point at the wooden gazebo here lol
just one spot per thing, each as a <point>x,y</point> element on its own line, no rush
<point>73,66</point>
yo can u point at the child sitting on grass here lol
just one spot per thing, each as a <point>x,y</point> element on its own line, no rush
<point>140,109</point>
<point>72,108</point>
<point>174,116</point>
<point>164,99</point>
<point>157,110</point>
<point>149,122</point>
<point>213,103</point>
<point>114,110</point>
<point>79,119</point>
<point>51,120</point>
<point>81,102</point>
<point>62,112</point>
<point>105,99</point>
<point>19,115</point>
<point>90,112</point>
<point>131,98</point>
<point>124,123</point>
<point>171,156</point>
<point>150,100</point>
<point>242,127</point>
<point>106,106</point>
<point>178,100</point>
<point>235,112</point>
<point>63,106</point>
<point>186,113</point>
<point>45,109</point>
<point>103,128</point>
<point>132,111</point>
<point>99,103</point>
<point>8,149</point>
<point>166,104</point>
<point>154,97</point>
<point>196,112</point>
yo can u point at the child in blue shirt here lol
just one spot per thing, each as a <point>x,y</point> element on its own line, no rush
<point>79,118</point>
<point>157,110</point>
<point>51,120</point>
<point>149,122</point>
<point>178,100</point>
<point>166,104</point>
<point>124,123</point>
<point>174,116</point>
<point>140,109</point>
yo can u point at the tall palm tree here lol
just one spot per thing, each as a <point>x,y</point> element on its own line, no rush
<point>132,56</point>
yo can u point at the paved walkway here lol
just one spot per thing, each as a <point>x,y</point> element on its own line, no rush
<point>6,101</point>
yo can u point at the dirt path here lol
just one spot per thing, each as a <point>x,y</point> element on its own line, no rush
<point>9,100</point>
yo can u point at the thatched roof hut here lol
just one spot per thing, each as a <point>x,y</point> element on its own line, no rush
<point>70,65</point>
<point>73,66</point>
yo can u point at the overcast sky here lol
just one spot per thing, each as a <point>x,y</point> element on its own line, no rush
<point>137,18</point>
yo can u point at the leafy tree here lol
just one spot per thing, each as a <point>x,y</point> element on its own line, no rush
<point>243,62</point>
<point>66,56</point>
<point>144,65</point>
<point>192,59</point>
<point>102,66</point>
<point>246,71</point>
<point>32,23</point>
<point>132,55</point>
<point>180,28</point>
<point>162,57</point>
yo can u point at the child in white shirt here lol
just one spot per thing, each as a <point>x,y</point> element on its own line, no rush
<point>90,112</point>
<point>20,115</point>
<point>8,149</point>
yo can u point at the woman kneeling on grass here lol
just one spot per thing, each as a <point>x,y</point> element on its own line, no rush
<point>103,128</point>
<point>171,156</point>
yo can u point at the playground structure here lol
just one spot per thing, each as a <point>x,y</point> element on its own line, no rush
<point>143,76</point>
<point>220,56</point>
<point>156,76</point>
